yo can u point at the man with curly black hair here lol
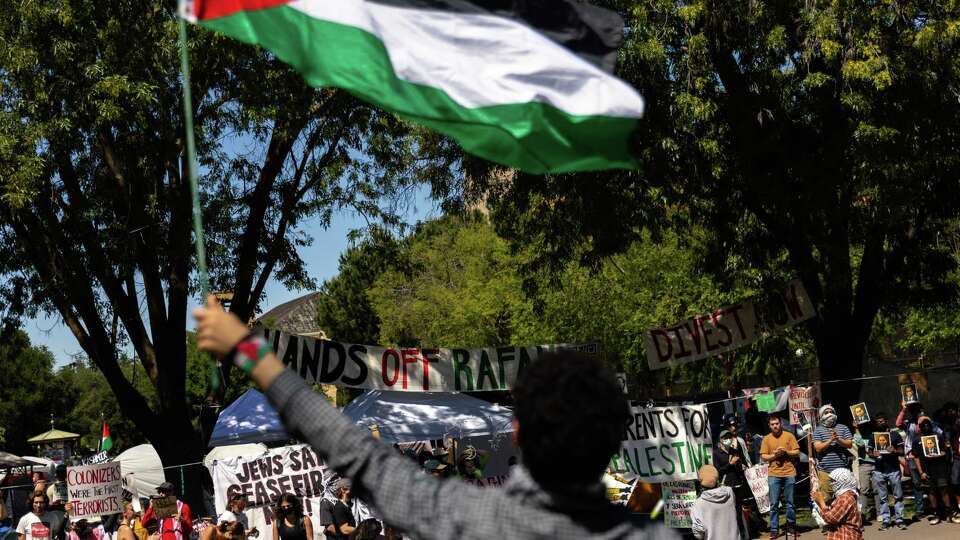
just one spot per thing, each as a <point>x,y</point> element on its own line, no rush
<point>569,419</point>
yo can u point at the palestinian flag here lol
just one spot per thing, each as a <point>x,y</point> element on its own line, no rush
<point>525,84</point>
<point>106,443</point>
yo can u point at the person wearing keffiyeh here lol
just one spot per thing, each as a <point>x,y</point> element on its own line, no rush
<point>843,515</point>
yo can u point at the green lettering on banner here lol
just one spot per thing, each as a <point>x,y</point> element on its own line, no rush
<point>678,447</point>
<point>486,371</point>
<point>461,363</point>
<point>504,355</point>
<point>664,450</point>
<point>646,451</point>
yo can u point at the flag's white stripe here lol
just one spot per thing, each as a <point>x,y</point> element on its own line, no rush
<point>482,60</point>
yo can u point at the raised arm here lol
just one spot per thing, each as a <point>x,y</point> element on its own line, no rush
<point>406,497</point>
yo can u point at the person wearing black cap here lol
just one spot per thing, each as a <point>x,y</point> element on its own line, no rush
<point>731,460</point>
<point>177,527</point>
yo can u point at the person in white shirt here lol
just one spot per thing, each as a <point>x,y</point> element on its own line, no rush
<point>38,524</point>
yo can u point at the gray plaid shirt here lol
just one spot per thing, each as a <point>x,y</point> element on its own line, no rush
<point>428,508</point>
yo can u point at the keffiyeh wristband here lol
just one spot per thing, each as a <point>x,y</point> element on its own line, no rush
<point>249,351</point>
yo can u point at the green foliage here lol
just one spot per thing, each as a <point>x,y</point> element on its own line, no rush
<point>811,139</point>
<point>461,286</point>
<point>345,313</point>
<point>26,372</point>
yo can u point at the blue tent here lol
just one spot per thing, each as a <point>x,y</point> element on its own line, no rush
<point>249,419</point>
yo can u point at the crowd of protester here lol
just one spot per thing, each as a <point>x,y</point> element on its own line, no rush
<point>914,449</point>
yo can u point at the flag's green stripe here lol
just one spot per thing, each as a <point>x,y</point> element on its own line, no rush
<point>533,137</point>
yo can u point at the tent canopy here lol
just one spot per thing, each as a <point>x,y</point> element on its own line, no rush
<point>141,469</point>
<point>418,416</point>
<point>249,419</point>
<point>9,460</point>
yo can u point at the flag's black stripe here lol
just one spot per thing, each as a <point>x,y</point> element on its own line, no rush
<point>590,32</point>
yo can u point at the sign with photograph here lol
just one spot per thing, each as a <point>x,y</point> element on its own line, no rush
<point>909,393</point>
<point>881,441</point>
<point>931,445</point>
<point>859,413</point>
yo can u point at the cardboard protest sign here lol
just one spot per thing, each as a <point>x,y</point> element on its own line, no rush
<point>727,328</point>
<point>94,490</point>
<point>931,445</point>
<point>407,369</point>
<point>881,441</point>
<point>664,444</point>
<point>859,413</point>
<point>678,499</point>
<point>803,398</point>
<point>164,507</point>
<point>909,393</point>
<point>757,479</point>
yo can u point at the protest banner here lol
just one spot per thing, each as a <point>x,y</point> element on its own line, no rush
<point>757,479</point>
<point>803,398</point>
<point>678,499</point>
<point>727,328</point>
<point>262,478</point>
<point>664,444</point>
<point>94,490</point>
<point>407,369</point>
<point>164,507</point>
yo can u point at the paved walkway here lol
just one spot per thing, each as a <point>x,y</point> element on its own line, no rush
<point>915,531</point>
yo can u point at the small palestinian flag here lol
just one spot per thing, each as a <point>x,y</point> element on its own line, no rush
<point>524,84</point>
<point>106,443</point>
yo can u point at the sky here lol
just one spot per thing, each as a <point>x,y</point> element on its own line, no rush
<point>321,259</point>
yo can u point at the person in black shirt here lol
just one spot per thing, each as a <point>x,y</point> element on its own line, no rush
<point>886,453</point>
<point>337,516</point>
<point>732,458</point>
<point>291,524</point>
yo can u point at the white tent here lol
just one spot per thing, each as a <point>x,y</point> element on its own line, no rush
<point>221,453</point>
<point>420,416</point>
<point>141,469</point>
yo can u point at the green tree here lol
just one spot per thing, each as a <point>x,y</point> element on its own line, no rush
<point>344,311</point>
<point>461,288</point>
<point>27,375</point>
<point>95,214</point>
<point>816,139</point>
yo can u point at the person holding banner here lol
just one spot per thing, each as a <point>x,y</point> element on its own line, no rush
<point>781,452</point>
<point>569,417</point>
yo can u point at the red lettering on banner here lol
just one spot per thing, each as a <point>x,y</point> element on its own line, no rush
<point>656,343</point>
<point>410,356</point>
<point>383,367</point>
<point>681,350</point>
<point>717,323</point>
<point>705,331</point>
